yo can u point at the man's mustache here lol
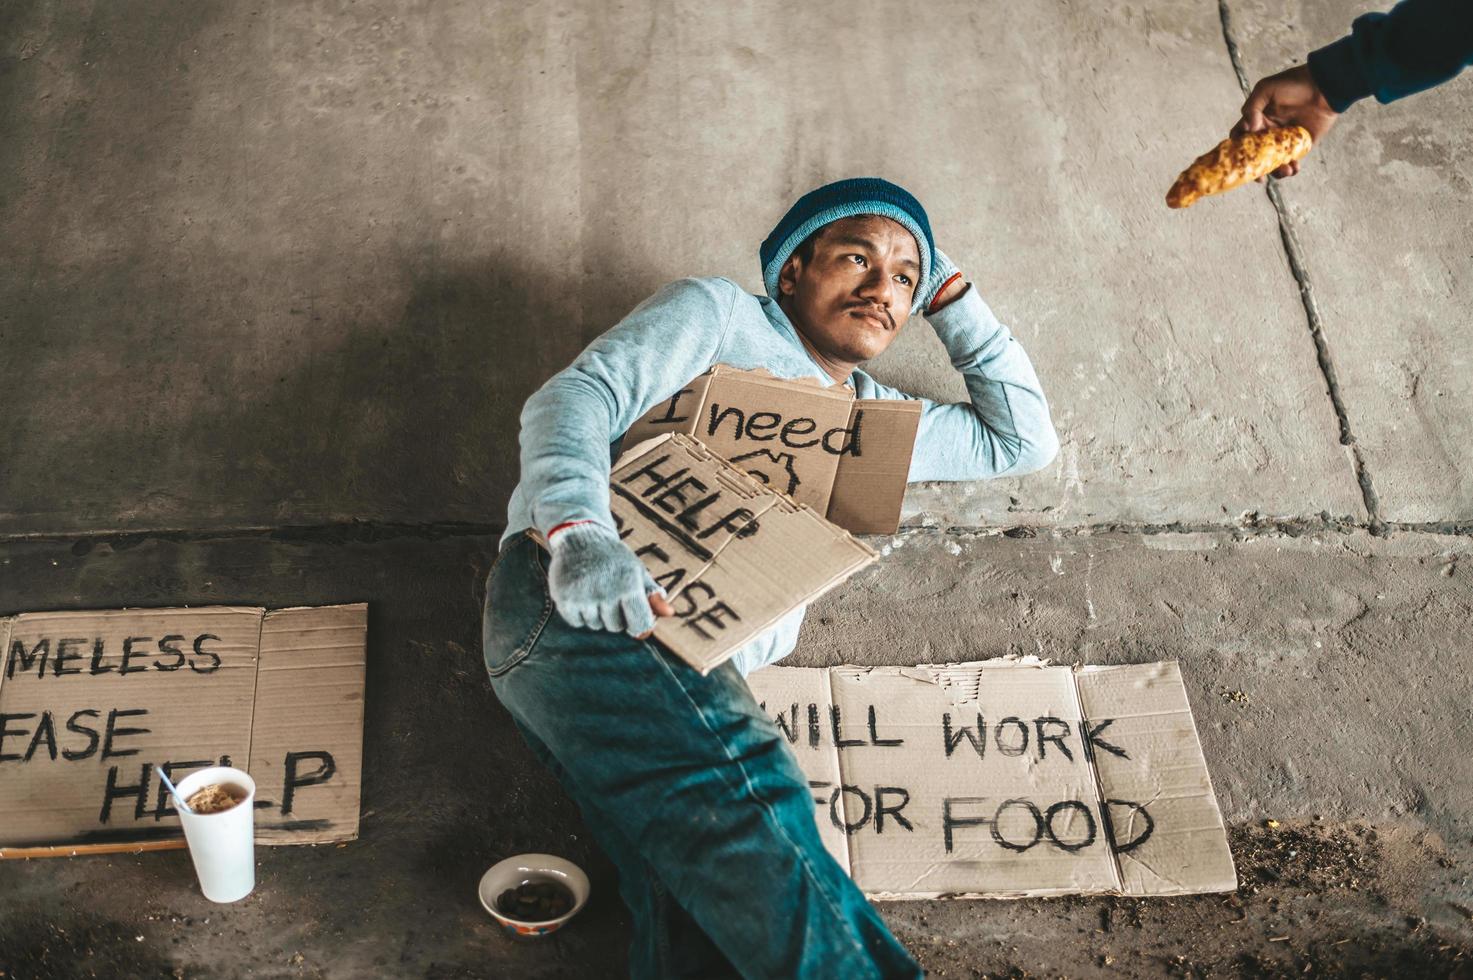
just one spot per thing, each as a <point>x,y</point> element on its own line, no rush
<point>873,309</point>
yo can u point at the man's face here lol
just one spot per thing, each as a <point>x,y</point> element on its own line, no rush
<point>851,296</point>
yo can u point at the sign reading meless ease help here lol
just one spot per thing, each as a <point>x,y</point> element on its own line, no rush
<point>90,701</point>
<point>1003,779</point>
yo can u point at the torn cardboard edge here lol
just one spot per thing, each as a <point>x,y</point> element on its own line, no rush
<point>281,689</point>
<point>1005,780</point>
<point>733,555</point>
<point>847,458</point>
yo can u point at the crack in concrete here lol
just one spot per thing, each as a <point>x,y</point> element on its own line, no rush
<point>1225,16</point>
<point>340,532</point>
<point>369,532</point>
<point>1292,527</point>
<point>1295,255</point>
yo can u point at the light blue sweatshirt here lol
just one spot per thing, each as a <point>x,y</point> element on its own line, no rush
<point>571,425</point>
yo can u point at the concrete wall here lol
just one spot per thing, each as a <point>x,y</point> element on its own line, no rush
<point>302,264</point>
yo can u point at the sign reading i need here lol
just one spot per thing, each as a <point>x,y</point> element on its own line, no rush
<point>846,458</point>
<point>91,701</point>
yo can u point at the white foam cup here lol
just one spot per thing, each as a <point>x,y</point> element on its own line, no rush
<point>222,845</point>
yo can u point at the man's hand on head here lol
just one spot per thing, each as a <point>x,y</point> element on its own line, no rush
<point>944,284</point>
<point>1290,98</point>
<point>596,582</point>
<point>947,294</point>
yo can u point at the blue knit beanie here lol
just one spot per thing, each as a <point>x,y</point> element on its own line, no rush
<point>844,199</point>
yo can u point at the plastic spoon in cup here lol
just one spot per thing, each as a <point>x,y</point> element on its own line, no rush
<point>178,800</point>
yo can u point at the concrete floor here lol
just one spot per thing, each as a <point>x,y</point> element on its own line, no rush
<point>275,281</point>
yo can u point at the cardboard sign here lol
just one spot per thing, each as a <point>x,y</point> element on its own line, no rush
<point>732,555</point>
<point>1005,779</point>
<point>847,459</point>
<point>90,701</point>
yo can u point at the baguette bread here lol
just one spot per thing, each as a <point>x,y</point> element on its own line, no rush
<point>1236,161</point>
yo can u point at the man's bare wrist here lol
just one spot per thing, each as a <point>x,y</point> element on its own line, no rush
<point>949,294</point>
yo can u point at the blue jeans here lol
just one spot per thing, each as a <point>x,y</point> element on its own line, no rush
<point>688,787</point>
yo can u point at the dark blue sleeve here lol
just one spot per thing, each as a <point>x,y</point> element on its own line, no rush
<point>1419,44</point>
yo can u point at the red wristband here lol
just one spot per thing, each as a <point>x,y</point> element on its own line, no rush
<point>944,286</point>
<point>563,525</point>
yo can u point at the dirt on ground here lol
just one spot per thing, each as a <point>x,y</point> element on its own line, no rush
<point>1314,900</point>
<point>1346,901</point>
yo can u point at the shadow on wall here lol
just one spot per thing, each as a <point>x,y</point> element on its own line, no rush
<point>316,413</point>
<point>433,404</point>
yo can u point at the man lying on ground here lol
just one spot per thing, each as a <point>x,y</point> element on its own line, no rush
<point>683,780</point>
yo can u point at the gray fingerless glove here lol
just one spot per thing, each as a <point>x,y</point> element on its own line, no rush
<point>597,583</point>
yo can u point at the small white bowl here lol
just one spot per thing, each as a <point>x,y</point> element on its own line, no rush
<point>515,870</point>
